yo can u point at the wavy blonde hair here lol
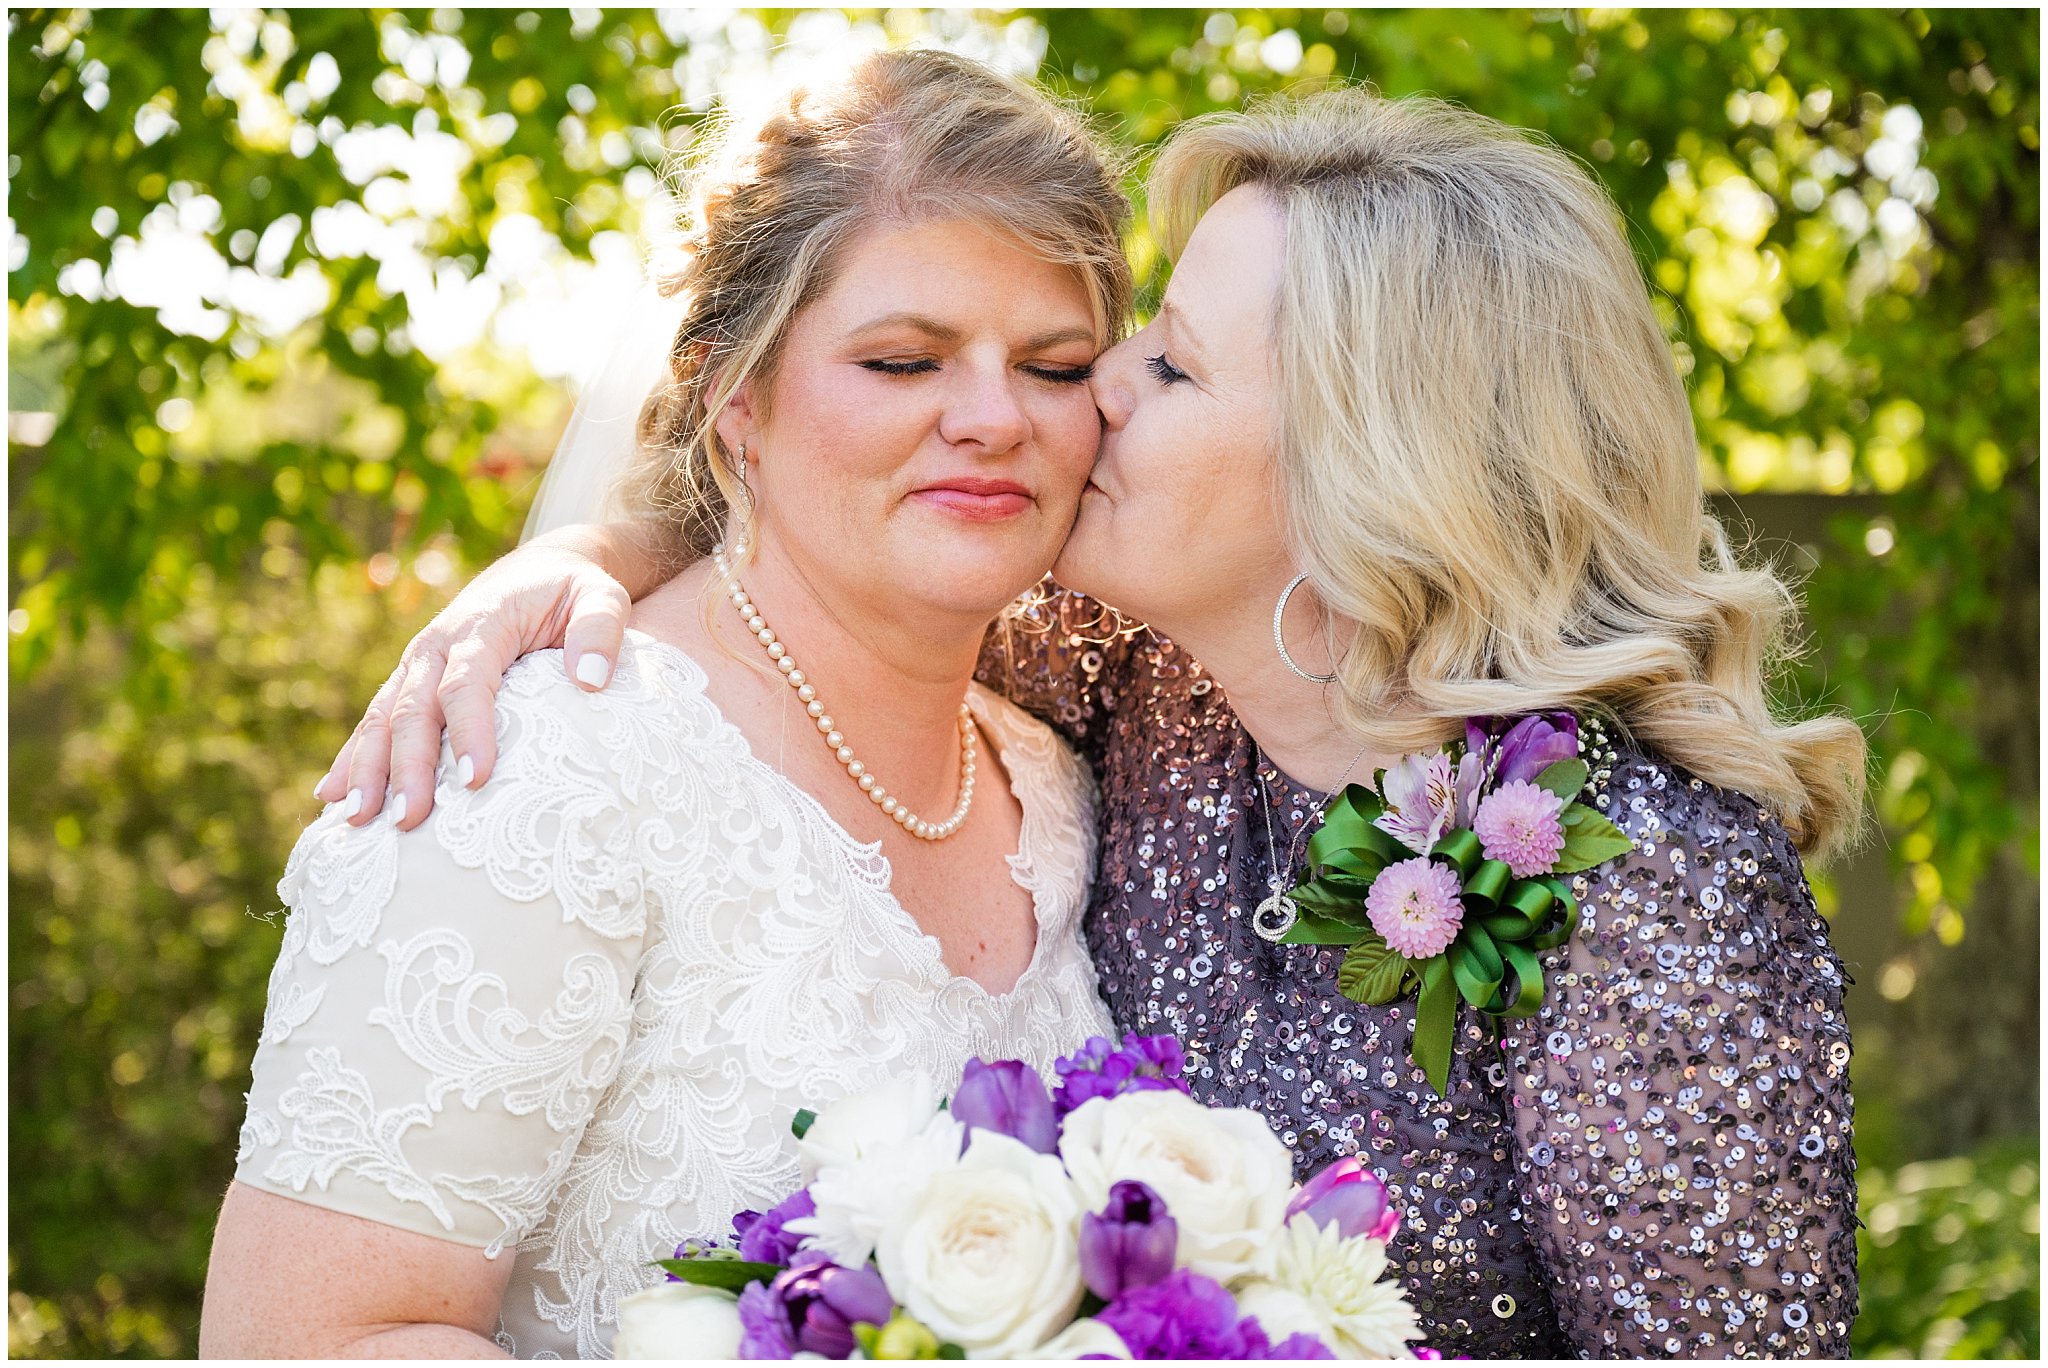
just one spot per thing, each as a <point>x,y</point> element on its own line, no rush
<point>1486,457</point>
<point>901,137</point>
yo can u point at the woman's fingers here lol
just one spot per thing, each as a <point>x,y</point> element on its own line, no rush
<point>331,786</point>
<point>416,738</point>
<point>598,610</point>
<point>469,695</point>
<point>369,752</point>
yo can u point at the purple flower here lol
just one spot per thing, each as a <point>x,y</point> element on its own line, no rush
<point>1416,907</point>
<point>1142,1064</point>
<point>1188,1316</point>
<point>811,1307</point>
<point>763,1239</point>
<point>1130,1243</point>
<point>1009,1099</point>
<point>1522,826</point>
<point>1421,794</point>
<point>1350,1194</point>
<point>1534,744</point>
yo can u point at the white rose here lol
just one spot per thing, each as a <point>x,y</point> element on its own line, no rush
<point>675,1320</point>
<point>986,1254</point>
<point>856,1198</point>
<point>1084,1337</point>
<point>1336,1290</point>
<point>868,1121</point>
<point>1224,1176</point>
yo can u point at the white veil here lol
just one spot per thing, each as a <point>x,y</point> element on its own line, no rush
<point>583,478</point>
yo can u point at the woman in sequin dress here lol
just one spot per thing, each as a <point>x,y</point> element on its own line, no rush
<point>1407,353</point>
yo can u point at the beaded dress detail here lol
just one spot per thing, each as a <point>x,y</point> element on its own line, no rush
<point>1657,1164</point>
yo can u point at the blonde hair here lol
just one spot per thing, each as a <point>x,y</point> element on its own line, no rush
<point>1486,458</point>
<point>902,137</point>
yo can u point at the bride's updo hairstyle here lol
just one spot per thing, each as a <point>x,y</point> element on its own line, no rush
<point>899,138</point>
<point>1486,457</point>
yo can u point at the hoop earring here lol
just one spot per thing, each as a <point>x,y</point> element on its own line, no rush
<point>1280,644</point>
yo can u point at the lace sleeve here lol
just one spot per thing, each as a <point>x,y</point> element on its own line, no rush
<point>1681,1103</point>
<point>1055,653</point>
<point>419,1066</point>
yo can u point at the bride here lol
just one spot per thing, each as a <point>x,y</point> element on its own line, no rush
<point>571,1018</point>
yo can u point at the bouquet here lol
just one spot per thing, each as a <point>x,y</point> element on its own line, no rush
<point>1111,1216</point>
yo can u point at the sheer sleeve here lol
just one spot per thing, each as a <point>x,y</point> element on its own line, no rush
<point>1058,654</point>
<point>1681,1103</point>
<point>418,1066</point>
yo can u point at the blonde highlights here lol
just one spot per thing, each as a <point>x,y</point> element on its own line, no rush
<point>1486,457</point>
<point>902,137</point>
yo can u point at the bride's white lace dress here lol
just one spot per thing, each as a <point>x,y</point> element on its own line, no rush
<point>569,1018</point>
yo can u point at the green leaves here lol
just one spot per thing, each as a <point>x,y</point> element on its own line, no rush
<point>710,1270</point>
<point>800,1124</point>
<point>1566,779</point>
<point>1373,972</point>
<point>1589,840</point>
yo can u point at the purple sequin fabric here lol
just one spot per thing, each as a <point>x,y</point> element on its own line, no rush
<point>1658,1164</point>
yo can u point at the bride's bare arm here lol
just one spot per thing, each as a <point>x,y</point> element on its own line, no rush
<point>291,1280</point>
<point>572,588</point>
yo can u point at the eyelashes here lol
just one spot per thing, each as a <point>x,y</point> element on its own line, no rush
<point>1164,371</point>
<point>1057,375</point>
<point>924,366</point>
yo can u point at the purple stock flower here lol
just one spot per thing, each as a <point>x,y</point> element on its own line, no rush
<point>1141,1064</point>
<point>1350,1194</point>
<point>762,1237</point>
<point>1188,1316</point>
<point>811,1307</point>
<point>1009,1099</point>
<point>1130,1243</point>
<point>1534,744</point>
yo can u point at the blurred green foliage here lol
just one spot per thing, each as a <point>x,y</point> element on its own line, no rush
<point>233,514</point>
<point>1950,1257</point>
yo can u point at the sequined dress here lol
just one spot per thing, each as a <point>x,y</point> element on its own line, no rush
<point>1657,1164</point>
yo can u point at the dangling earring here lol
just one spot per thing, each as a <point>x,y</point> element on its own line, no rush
<point>747,512</point>
<point>1280,644</point>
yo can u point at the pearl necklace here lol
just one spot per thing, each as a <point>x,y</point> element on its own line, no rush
<point>843,753</point>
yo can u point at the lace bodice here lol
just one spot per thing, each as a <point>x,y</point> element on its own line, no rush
<point>571,1015</point>
<point>1658,1163</point>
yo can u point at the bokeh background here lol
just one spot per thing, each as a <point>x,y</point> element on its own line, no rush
<point>298,302</point>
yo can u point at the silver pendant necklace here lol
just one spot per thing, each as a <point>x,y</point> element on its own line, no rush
<point>1277,913</point>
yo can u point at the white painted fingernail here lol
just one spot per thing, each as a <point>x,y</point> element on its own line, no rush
<point>398,809</point>
<point>465,771</point>
<point>354,804</point>
<point>317,787</point>
<point>592,670</point>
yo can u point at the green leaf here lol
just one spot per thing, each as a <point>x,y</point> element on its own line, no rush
<point>731,1274</point>
<point>1372,972</point>
<point>800,1124</point>
<point>1589,840</point>
<point>1314,926</point>
<point>1566,779</point>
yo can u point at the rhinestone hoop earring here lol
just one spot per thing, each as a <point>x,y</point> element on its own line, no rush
<point>1280,644</point>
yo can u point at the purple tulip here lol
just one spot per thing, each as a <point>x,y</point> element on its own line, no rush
<point>763,1238</point>
<point>1141,1064</point>
<point>811,1307</point>
<point>1009,1099</point>
<point>1534,744</point>
<point>1188,1316</point>
<point>1130,1243</point>
<point>1351,1195</point>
